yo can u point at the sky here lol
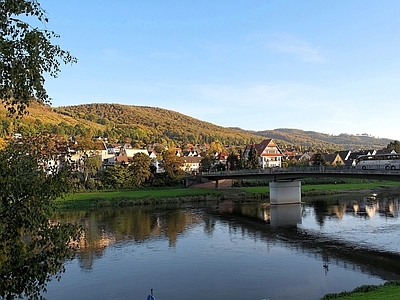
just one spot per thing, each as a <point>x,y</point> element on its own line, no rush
<point>325,66</point>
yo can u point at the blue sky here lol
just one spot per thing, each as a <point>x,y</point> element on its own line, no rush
<point>326,66</point>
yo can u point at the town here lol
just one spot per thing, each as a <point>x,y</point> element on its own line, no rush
<point>98,156</point>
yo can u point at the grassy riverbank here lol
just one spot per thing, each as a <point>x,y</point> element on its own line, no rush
<point>389,290</point>
<point>160,196</point>
<point>136,197</point>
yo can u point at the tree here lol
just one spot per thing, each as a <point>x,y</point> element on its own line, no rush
<point>2,143</point>
<point>318,159</point>
<point>233,161</point>
<point>215,147</point>
<point>395,145</point>
<point>116,177</point>
<point>26,54</point>
<point>91,165</point>
<point>32,247</point>
<point>139,169</point>
<point>252,159</point>
<point>206,163</point>
<point>172,167</point>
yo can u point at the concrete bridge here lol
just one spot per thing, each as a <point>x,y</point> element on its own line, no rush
<point>285,187</point>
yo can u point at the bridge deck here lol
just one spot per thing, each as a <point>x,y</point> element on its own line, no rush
<point>285,174</point>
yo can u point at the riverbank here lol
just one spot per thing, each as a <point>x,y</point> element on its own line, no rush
<point>209,193</point>
<point>388,290</point>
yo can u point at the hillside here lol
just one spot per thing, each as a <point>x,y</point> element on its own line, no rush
<point>317,139</point>
<point>152,124</point>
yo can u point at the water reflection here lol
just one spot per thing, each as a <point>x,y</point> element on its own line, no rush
<point>285,215</point>
<point>238,251</point>
<point>109,226</point>
<point>138,224</point>
<point>364,207</point>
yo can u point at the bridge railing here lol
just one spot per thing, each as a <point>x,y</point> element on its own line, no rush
<point>310,169</point>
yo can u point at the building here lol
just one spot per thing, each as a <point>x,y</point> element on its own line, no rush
<point>268,153</point>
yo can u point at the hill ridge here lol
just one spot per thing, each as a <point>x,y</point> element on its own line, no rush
<point>149,123</point>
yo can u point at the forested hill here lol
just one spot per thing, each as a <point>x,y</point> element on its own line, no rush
<point>152,124</point>
<point>156,124</point>
<point>312,138</point>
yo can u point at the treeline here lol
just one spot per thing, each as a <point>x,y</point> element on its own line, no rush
<point>320,140</point>
<point>137,173</point>
<point>152,124</point>
<point>148,125</point>
<point>119,123</point>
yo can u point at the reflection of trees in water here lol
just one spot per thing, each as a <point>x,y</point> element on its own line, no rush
<point>364,207</point>
<point>132,224</point>
<point>138,224</point>
<point>86,258</point>
<point>330,252</point>
<point>389,208</point>
<point>320,211</point>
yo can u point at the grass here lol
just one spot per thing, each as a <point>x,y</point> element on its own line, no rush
<point>134,197</point>
<point>388,291</point>
<point>159,196</point>
<point>329,187</point>
<point>138,194</point>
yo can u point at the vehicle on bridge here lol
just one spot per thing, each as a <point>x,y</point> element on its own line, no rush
<point>378,162</point>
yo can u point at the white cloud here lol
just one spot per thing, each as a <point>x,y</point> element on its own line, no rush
<point>285,43</point>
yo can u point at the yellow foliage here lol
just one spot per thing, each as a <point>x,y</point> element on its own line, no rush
<point>3,143</point>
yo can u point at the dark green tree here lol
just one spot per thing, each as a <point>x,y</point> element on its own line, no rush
<point>233,161</point>
<point>206,163</point>
<point>116,177</point>
<point>395,145</point>
<point>242,160</point>
<point>33,248</point>
<point>252,159</point>
<point>139,169</point>
<point>318,159</point>
<point>26,54</point>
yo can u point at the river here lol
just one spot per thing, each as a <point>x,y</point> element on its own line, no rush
<point>232,250</point>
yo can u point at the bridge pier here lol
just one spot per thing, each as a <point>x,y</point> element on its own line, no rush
<point>284,192</point>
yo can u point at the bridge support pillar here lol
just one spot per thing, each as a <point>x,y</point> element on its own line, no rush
<point>216,183</point>
<point>284,192</point>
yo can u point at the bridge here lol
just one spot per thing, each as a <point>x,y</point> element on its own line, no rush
<point>285,187</point>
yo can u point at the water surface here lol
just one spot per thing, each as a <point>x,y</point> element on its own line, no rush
<point>233,251</point>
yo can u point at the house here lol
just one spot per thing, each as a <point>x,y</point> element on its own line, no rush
<point>269,155</point>
<point>130,152</point>
<point>302,157</point>
<point>345,154</point>
<point>114,148</point>
<point>152,154</point>
<point>192,153</point>
<point>101,149</point>
<point>385,151</point>
<point>158,164</point>
<point>76,156</point>
<point>222,158</point>
<point>354,155</point>
<point>333,159</point>
<point>115,160</point>
<point>191,164</point>
<point>178,152</point>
